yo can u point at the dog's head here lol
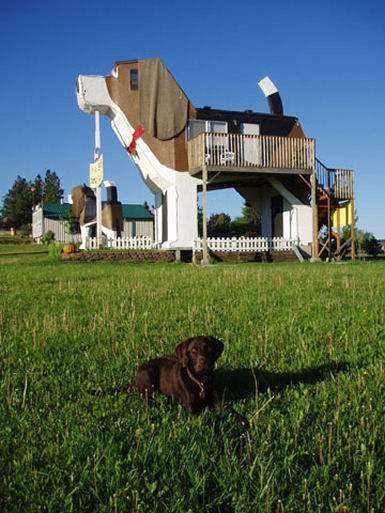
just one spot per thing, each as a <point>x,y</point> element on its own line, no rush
<point>144,94</point>
<point>199,353</point>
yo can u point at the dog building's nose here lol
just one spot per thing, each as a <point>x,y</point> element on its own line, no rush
<point>92,94</point>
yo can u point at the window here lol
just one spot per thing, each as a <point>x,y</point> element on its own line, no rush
<point>200,126</point>
<point>250,129</point>
<point>194,128</point>
<point>134,79</point>
<point>217,127</point>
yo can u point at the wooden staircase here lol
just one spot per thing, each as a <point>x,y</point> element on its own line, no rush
<point>335,188</point>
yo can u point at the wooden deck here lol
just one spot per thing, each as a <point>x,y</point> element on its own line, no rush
<point>250,153</point>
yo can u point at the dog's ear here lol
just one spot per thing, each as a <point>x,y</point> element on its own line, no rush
<point>217,346</point>
<point>181,352</point>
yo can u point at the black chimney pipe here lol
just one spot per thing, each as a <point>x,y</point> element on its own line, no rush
<point>273,97</point>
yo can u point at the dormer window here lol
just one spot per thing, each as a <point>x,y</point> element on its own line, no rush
<point>134,79</point>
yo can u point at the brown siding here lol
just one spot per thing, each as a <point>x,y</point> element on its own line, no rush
<point>171,153</point>
<point>297,131</point>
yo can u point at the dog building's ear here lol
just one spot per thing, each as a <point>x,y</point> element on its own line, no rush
<point>78,201</point>
<point>217,347</point>
<point>163,106</point>
<point>181,352</point>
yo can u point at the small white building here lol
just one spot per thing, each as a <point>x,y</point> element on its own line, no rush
<point>137,221</point>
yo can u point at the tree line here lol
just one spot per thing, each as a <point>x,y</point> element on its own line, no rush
<point>24,194</point>
<point>248,224</point>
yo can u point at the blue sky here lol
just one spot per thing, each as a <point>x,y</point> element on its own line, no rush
<point>327,59</point>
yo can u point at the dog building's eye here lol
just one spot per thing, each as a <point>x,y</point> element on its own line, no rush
<point>134,80</point>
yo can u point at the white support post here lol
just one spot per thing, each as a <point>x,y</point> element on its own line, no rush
<point>98,193</point>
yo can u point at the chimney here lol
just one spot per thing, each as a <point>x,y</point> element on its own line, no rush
<point>112,193</point>
<point>272,95</point>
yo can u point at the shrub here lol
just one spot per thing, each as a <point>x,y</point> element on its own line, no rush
<point>25,230</point>
<point>370,245</point>
<point>71,223</point>
<point>48,237</point>
<point>55,252</point>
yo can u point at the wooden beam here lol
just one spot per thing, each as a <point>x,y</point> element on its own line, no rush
<point>338,230</point>
<point>353,230</point>
<point>205,252</point>
<point>329,217</point>
<point>314,208</point>
<point>250,170</point>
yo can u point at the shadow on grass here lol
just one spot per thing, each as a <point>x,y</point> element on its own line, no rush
<point>236,384</point>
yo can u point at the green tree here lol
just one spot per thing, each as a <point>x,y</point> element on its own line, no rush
<point>248,224</point>
<point>251,215</point>
<point>71,222</point>
<point>17,204</point>
<point>37,189</point>
<point>200,221</point>
<point>53,193</point>
<point>218,225</point>
<point>346,234</point>
<point>370,245</point>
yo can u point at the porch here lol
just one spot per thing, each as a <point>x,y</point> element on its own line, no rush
<point>245,153</point>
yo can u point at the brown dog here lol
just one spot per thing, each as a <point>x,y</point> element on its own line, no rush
<point>186,376</point>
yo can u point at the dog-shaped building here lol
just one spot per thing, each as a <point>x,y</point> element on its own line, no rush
<point>264,156</point>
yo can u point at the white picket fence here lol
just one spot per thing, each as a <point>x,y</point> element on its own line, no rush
<point>241,244</point>
<point>142,242</point>
<point>244,244</point>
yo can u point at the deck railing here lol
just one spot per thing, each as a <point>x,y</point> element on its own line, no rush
<point>340,181</point>
<point>236,151</point>
<point>245,244</point>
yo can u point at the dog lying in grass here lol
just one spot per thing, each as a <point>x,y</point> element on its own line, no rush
<point>186,376</point>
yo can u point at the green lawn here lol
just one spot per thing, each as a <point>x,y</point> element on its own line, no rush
<point>17,249</point>
<point>303,361</point>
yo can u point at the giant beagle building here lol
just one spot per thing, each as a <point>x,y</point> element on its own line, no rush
<point>264,156</point>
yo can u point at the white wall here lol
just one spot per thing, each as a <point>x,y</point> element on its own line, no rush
<point>59,228</point>
<point>259,197</point>
<point>142,227</point>
<point>301,220</point>
<point>304,223</point>
<point>297,217</point>
<point>37,222</point>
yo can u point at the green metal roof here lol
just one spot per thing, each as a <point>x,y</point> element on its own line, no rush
<point>55,210</point>
<point>136,212</point>
<point>130,211</point>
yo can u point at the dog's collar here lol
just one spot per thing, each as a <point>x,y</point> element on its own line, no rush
<point>197,382</point>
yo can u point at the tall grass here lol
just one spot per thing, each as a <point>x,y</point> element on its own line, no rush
<point>303,360</point>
